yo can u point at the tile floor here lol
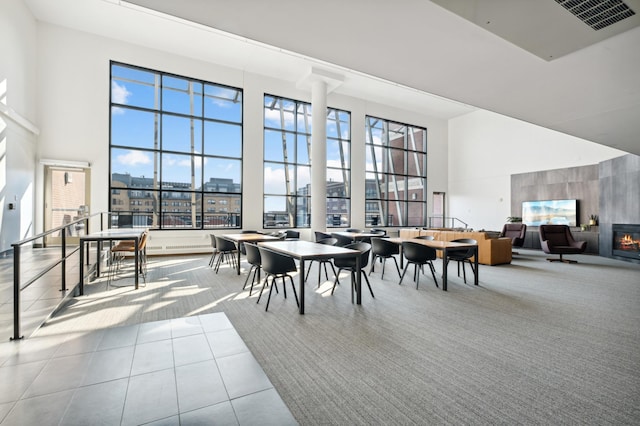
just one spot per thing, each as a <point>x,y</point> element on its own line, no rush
<point>187,371</point>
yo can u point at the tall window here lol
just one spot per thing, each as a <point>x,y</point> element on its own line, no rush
<point>175,150</point>
<point>395,187</point>
<point>287,164</point>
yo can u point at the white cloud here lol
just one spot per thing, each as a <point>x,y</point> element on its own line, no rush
<point>134,158</point>
<point>119,93</point>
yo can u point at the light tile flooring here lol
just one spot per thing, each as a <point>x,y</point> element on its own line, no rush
<point>188,371</point>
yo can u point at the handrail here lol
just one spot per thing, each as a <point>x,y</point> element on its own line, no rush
<point>17,288</point>
<point>446,222</point>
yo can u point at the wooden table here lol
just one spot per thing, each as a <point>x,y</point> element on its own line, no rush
<point>444,247</point>
<point>306,250</point>
<point>247,238</point>
<point>358,236</point>
<point>118,234</point>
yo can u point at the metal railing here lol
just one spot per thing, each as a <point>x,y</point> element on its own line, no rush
<point>447,222</point>
<point>64,233</point>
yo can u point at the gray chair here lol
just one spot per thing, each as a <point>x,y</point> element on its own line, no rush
<point>226,252</point>
<point>214,251</point>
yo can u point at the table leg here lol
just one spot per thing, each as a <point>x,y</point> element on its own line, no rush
<point>238,258</point>
<point>445,257</point>
<point>475,264</point>
<point>301,291</point>
<point>98,251</point>
<point>358,281</point>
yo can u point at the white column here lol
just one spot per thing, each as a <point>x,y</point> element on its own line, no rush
<point>319,156</point>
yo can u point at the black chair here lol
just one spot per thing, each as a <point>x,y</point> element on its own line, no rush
<point>319,235</point>
<point>277,265</point>
<point>226,252</point>
<point>557,239</point>
<point>462,256</point>
<point>214,251</point>
<point>425,237</point>
<point>125,221</point>
<point>323,262</point>
<point>255,260</point>
<point>291,235</point>
<point>418,255</point>
<point>342,240</point>
<point>241,244</point>
<point>355,230</point>
<point>349,263</point>
<point>383,249</point>
<point>379,231</point>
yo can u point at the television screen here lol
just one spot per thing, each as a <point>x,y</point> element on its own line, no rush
<point>555,212</point>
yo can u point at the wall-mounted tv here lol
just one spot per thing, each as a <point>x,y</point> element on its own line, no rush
<point>555,212</point>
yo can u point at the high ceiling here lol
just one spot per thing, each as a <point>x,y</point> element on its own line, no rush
<point>531,60</point>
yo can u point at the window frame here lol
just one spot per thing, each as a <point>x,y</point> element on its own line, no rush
<point>193,197</point>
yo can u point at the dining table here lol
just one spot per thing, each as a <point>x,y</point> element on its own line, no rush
<point>115,234</point>
<point>306,250</point>
<point>357,236</point>
<point>445,247</point>
<point>248,237</point>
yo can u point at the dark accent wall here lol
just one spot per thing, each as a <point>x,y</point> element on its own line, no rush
<point>579,183</point>
<point>619,198</point>
<point>610,189</point>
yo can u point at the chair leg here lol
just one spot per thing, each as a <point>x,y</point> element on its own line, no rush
<point>273,280</point>
<point>384,262</point>
<point>433,273</point>
<point>293,286</point>
<point>308,270</point>
<point>373,263</point>
<point>418,276</point>
<point>404,272</point>
<point>368,284</point>
<point>397,267</point>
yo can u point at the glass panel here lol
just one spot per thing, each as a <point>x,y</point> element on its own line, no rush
<point>304,144</point>
<point>304,118</point>
<point>374,213</point>
<point>133,167</point>
<point>303,212</point>
<point>134,87</point>
<point>396,161</point>
<point>338,212</point>
<point>415,214</point>
<point>222,139</point>
<point>181,171</point>
<point>417,139</point>
<point>276,215</point>
<point>182,96</point>
<point>222,174</point>
<point>337,183</point>
<point>375,132</point>
<point>397,135</point>
<point>279,114</point>
<point>417,163</point>
<point>338,154</point>
<point>222,210</point>
<point>395,213</point>
<point>180,209</point>
<point>303,183</point>
<point>222,103</point>
<point>273,145</point>
<point>274,178</point>
<point>179,133</point>
<point>416,189</point>
<point>133,128</point>
<point>374,158</point>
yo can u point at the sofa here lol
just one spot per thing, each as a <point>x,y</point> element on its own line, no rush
<point>492,250</point>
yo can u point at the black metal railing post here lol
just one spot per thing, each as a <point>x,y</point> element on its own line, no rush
<point>16,294</point>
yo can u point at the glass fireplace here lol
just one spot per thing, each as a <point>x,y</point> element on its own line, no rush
<point>626,240</point>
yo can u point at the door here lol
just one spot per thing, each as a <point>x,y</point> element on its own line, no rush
<point>437,213</point>
<point>66,192</point>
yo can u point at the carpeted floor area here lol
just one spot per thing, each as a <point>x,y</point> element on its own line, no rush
<point>535,343</point>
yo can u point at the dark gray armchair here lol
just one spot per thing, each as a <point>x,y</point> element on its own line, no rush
<point>557,239</point>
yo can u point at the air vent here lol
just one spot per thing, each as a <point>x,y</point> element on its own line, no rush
<point>598,14</point>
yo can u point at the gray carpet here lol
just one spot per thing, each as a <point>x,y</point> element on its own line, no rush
<point>535,343</point>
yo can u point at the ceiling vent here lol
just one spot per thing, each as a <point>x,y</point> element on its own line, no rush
<point>598,14</point>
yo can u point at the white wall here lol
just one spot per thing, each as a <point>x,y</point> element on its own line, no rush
<point>17,143</point>
<point>485,149</point>
<point>73,77</point>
